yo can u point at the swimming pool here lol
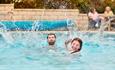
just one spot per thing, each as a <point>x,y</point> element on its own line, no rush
<point>25,52</point>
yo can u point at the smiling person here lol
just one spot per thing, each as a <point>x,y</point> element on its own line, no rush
<point>75,45</point>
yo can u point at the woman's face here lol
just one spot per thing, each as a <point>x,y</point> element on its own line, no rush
<point>75,45</point>
<point>108,9</point>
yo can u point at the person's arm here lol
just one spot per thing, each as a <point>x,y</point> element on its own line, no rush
<point>106,16</point>
<point>66,43</point>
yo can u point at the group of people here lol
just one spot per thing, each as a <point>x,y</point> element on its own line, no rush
<point>76,43</point>
<point>95,19</point>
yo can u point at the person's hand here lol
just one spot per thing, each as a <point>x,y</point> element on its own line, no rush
<point>68,41</point>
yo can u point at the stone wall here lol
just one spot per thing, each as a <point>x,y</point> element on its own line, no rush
<point>82,22</point>
<point>44,14</point>
<point>7,12</point>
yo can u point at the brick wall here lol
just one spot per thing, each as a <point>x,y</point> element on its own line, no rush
<point>5,11</point>
<point>82,22</point>
<point>44,14</point>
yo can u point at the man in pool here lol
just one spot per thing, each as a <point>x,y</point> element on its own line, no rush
<point>76,45</point>
<point>51,39</point>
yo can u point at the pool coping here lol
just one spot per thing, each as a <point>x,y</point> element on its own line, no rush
<point>108,32</point>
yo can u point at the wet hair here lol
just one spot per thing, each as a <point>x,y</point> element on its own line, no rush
<point>51,34</point>
<point>80,42</point>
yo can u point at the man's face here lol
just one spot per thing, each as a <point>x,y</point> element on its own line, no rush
<point>75,45</point>
<point>51,39</point>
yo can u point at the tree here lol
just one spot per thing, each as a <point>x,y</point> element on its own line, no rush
<point>6,1</point>
<point>82,5</point>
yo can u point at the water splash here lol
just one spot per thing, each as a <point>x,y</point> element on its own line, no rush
<point>72,30</point>
<point>8,38</point>
<point>2,27</point>
<point>36,24</point>
<point>5,34</point>
<point>103,27</point>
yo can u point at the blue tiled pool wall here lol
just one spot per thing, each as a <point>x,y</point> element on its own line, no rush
<point>34,25</point>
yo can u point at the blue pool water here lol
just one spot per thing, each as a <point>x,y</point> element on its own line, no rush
<point>24,51</point>
<point>34,25</point>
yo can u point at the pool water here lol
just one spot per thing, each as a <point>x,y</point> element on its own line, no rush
<point>38,25</point>
<point>26,52</point>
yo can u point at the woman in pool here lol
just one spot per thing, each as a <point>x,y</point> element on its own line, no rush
<point>75,45</point>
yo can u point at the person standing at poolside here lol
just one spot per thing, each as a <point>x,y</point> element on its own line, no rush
<point>75,45</point>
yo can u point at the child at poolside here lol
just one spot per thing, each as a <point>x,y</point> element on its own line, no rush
<point>76,45</point>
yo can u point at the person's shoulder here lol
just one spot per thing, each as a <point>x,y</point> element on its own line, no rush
<point>96,12</point>
<point>105,12</point>
<point>111,12</point>
<point>89,13</point>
